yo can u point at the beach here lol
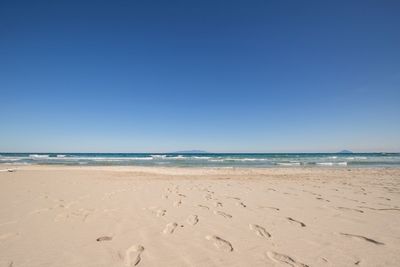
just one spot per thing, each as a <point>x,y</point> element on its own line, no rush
<point>170,216</point>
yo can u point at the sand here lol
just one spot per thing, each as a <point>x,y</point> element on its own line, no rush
<point>138,216</point>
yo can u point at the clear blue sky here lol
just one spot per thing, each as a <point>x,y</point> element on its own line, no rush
<point>222,76</point>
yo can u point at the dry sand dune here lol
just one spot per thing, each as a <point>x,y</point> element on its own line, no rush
<point>137,216</point>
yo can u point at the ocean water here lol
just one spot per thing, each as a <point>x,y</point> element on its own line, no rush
<point>206,160</point>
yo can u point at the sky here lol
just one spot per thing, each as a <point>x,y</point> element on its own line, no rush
<point>221,76</point>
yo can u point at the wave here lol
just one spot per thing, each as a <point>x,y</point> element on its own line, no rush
<point>355,158</point>
<point>201,158</point>
<point>38,156</point>
<point>288,163</point>
<point>245,159</point>
<point>10,159</point>
<point>158,156</point>
<point>76,158</point>
<point>211,159</point>
<point>180,157</point>
<point>332,163</point>
<point>239,160</point>
<point>109,159</point>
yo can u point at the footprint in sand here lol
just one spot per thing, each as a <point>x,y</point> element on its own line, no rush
<point>265,207</point>
<point>104,238</point>
<point>363,238</point>
<point>296,221</point>
<point>218,204</point>
<point>80,214</point>
<point>260,231</point>
<point>207,197</point>
<point>235,198</point>
<point>387,209</point>
<point>168,189</point>
<point>322,199</point>
<point>170,228</point>
<point>282,258</point>
<point>220,243</point>
<point>203,207</point>
<point>350,209</point>
<point>160,213</point>
<point>157,211</point>
<point>192,219</point>
<point>241,204</point>
<point>132,255</point>
<point>177,203</point>
<point>223,214</point>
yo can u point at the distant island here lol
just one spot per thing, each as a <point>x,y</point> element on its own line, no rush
<point>345,152</point>
<point>190,152</point>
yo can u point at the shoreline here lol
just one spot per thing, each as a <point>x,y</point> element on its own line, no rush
<point>142,167</point>
<point>169,172</point>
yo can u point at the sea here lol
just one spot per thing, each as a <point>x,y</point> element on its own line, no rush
<point>258,160</point>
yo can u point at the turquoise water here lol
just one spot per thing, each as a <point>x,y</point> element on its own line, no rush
<point>206,160</point>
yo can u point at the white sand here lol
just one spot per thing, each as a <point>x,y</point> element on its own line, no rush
<point>136,216</point>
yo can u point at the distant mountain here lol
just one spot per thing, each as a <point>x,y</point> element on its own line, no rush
<point>191,152</point>
<point>345,152</point>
